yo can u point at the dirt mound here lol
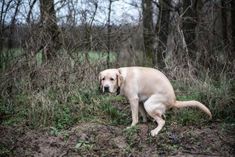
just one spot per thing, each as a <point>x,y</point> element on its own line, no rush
<point>92,139</point>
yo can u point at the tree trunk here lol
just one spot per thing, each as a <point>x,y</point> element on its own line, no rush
<point>12,25</point>
<point>148,33</point>
<point>191,8</point>
<point>2,26</point>
<point>224,16</point>
<point>51,42</point>
<point>231,55</point>
<point>233,23</point>
<point>162,29</point>
<point>109,33</point>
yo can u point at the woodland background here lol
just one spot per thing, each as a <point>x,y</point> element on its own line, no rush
<point>51,52</point>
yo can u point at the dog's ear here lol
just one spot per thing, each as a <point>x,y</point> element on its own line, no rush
<point>119,79</point>
<point>99,77</point>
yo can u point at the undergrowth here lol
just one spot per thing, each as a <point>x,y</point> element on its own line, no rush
<point>218,96</point>
<point>65,92</point>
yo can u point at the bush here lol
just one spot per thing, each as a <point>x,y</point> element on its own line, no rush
<point>216,95</point>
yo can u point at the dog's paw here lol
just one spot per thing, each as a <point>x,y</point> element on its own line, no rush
<point>153,133</point>
<point>129,127</point>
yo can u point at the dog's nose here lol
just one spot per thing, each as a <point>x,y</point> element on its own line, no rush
<point>106,88</point>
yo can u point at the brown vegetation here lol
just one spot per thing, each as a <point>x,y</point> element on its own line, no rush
<point>52,51</point>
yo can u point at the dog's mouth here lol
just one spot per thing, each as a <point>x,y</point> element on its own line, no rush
<point>107,90</point>
<point>104,90</point>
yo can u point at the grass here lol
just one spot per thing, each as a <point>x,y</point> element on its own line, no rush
<point>4,150</point>
<point>44,109</point>
<point>216,95</point>
<point>116,116</point>
<point>9,55</point>
<point>60,105</point>
<point>95,57</point>
<point>101,56</point>
<point>130,134</point>
<point>67,97</point>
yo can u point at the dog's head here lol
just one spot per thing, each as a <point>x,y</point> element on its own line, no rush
<point>110,81</point>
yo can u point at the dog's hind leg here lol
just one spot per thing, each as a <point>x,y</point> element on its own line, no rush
<point>160,123</point>
<point>156,110</point>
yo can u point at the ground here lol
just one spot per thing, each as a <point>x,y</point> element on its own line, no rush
<point>100,130</point>
<point>92,139</point>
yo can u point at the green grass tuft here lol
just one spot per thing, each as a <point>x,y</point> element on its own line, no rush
<point>218,96</point>
<point>116,116</point>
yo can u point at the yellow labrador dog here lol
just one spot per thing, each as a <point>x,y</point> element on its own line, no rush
<point>147,86</point>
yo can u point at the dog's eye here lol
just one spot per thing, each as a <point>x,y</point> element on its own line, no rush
<point>103,79</point>
<point>112,79</point>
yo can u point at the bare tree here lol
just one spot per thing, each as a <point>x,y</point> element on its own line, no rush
<point>161,30</point>
<point>109,30</point>
<point>50,41</point>
<point>224,17</point>
<point>233,29</point>
<point>148,33</point>
<point>30,10</point>
<point>191,8</point>
<point>13,22</point>
<point>5,7</point>
<point>228,39</point>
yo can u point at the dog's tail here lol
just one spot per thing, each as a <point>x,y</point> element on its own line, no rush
<point>193,103</point>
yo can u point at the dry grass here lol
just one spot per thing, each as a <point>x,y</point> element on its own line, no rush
<point>47,94</point>
<point>64,91</point>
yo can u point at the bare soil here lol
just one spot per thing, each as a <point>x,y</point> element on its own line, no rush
<point>92,139</point>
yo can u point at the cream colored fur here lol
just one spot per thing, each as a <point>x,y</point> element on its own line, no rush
<point>149,87</point>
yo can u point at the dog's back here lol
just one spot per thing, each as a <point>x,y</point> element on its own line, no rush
<point>148,81</point>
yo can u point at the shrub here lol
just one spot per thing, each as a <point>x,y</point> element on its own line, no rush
<point>216,95</point>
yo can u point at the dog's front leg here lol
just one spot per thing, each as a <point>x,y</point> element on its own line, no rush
<point>134,102</point>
